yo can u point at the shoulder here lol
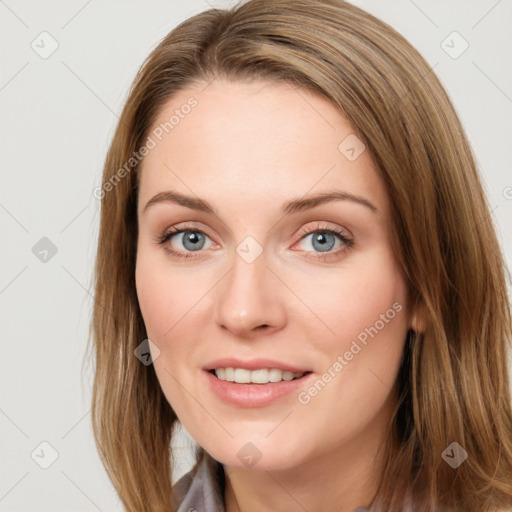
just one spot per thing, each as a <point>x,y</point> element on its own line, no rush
<point>202,488</point>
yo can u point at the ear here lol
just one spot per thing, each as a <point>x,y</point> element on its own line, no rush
<point>419,317</point>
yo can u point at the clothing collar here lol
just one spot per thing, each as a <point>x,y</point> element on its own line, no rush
<point>202,488</point>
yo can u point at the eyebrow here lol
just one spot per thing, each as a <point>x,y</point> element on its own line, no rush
<point>293,206</point>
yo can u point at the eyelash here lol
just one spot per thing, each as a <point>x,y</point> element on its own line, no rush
<point>348,243</point>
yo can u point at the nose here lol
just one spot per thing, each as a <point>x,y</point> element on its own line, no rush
<point>250,299</point>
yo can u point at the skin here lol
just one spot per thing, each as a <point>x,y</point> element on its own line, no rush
<point>247,148</point>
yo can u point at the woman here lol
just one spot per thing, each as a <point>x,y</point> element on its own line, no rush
<point>339,340</point>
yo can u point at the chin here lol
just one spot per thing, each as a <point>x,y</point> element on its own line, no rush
<point>257,453</point>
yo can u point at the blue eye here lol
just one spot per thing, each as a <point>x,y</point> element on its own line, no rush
<point>193,240</point>
<point>322,240</point>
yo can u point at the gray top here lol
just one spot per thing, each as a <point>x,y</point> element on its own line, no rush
<point>202,488</point>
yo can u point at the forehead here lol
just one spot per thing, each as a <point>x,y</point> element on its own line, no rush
<point>252,141</point>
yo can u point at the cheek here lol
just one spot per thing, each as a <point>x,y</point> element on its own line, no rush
<point>365,311</point>
<point>365,323</point>
<point>154,300</point>
<point>355,299</point>
<point>162,298</point>
<point>164,303</point>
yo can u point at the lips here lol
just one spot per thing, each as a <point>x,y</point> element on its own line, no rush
<point>251,395</point>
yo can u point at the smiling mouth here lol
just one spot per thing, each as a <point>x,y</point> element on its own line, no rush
<point>259,376</point>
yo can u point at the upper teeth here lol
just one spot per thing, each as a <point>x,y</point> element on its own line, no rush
<point>263,376</point>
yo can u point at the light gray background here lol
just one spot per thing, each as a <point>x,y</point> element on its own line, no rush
<point>57,118</point>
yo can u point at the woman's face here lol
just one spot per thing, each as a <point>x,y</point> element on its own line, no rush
<point>262,282</point>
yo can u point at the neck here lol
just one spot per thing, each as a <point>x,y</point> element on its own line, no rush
<point>339,481</point>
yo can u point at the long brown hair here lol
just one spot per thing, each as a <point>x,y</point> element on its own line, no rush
<point>453,384</point>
